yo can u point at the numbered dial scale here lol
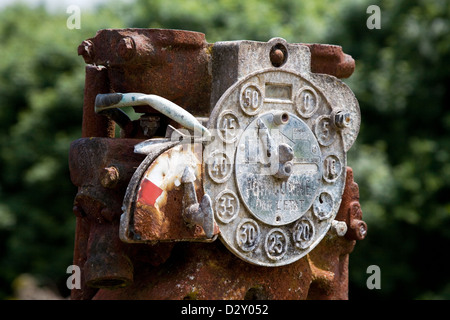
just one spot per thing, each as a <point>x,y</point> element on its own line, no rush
<point>275,168</point>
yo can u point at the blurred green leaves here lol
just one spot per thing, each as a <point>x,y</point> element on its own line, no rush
<point>401,161</point>
<point>41,97</point>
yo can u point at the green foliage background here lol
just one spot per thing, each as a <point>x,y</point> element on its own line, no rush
<point>401,158</point>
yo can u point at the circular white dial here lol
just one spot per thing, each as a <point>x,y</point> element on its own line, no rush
<point>275,167</point>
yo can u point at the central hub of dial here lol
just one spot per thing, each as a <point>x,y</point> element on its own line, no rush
<point>278,167</point>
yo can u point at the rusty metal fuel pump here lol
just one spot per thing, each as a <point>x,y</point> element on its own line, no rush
<point>232,184</point>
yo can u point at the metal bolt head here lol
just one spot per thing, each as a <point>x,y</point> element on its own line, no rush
<point>278,55</point>
<point>360,229</point>
<point>340,227</point>
<point>78,211</point>
<point>342,119</point>
<point>126,48</point>
<point>86,49</point>
<point>109,177</point>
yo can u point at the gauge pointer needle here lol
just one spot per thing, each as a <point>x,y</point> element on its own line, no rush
<point>280,155</point>
<point>266,139</point>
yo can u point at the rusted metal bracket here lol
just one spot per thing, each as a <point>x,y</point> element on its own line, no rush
<point>156,204</point>
<point>350,211</point>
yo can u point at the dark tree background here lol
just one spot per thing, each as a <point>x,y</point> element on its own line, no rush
<point>401,158</point>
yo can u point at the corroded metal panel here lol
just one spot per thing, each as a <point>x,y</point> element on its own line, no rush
<point>273,173</point>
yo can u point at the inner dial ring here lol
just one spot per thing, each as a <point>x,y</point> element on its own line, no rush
<point>279,150</point>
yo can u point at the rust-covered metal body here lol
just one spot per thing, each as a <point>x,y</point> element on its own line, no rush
<point>180,66</point>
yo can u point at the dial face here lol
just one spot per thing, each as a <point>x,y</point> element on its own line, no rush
<point>274,168</point>
<point>270,197</point>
